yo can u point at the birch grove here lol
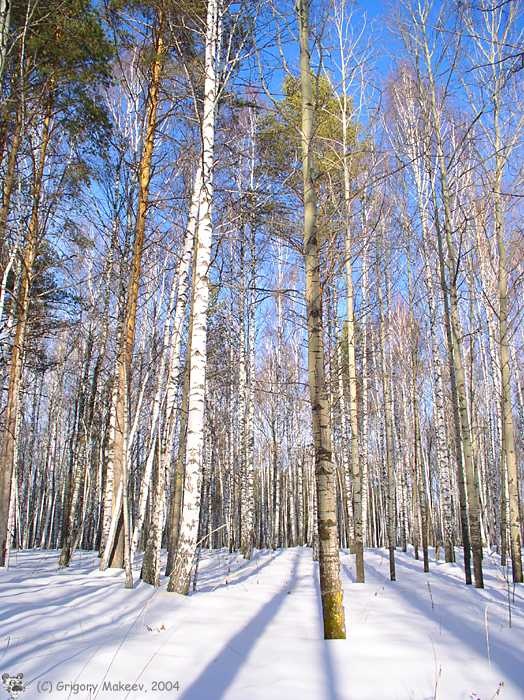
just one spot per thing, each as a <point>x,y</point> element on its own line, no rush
<point>260,290</point>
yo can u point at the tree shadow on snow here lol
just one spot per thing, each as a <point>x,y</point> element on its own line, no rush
<point>220,673</point>
<point>108,625</point>
<point>490,594</point>
<point>249,568</point>
<point>331,687</point>
<point>449,617</point>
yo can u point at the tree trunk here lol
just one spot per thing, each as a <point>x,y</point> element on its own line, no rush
<point>180,576</point>
<point>16,364</point>
<point>509,456</point>
<point>177,483</point>
<point>5,13</point>
<point>9,180</point>
<point>388,428</point>
<point>329,564</point>
<point>125,350</point>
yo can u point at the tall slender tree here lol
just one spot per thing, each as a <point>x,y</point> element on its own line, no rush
<point>329,564</point>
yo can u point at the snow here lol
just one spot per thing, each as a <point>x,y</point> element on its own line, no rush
<point>253,631</point>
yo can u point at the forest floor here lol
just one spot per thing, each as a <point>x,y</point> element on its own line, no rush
<point>253,631</point>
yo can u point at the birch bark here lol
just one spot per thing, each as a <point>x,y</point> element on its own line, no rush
<point>180,576</point>
<point>329,564</point>
<point>454,335</point>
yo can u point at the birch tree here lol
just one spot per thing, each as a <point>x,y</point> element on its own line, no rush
<point>179,579</point>
<point>330,586</point>
<point>492,33</point>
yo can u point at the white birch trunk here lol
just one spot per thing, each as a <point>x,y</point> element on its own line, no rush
<point>180,576</point>
<point>5,14</point>
<point>166,390</point>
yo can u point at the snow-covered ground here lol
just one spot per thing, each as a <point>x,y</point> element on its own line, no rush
<point>253,631</point>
